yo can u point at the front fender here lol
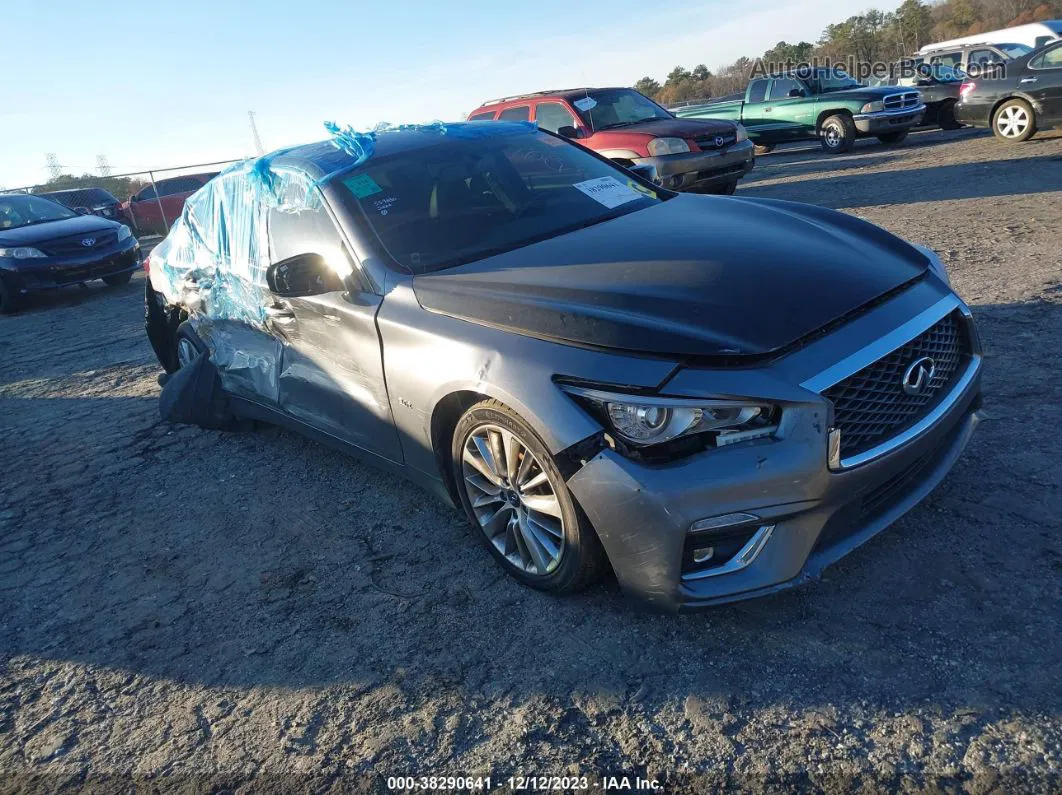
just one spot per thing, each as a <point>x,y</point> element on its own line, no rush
<point>429,356</point>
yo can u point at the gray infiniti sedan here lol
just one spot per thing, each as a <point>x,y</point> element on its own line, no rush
<point>716,397</point>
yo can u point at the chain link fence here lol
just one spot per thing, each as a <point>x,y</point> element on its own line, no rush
<point>148,202</point>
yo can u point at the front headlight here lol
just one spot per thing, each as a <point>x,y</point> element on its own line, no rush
<point>877,106</point>
<point>124,233</point>
<point>742,133</point>
<point>22,252</point>
<point>647,421</point>
<point>667,146</point>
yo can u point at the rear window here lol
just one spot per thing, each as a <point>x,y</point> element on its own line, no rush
<point>463,199</point>
<point>82,197</point>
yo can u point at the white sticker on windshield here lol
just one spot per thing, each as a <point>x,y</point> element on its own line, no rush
<point>608,191</point>
<point>585,103</point>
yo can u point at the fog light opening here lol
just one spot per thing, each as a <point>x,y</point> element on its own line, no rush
<point>703,555</point>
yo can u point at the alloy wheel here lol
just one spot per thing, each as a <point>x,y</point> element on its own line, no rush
<point>1012,121</point>
<point>513,499</point>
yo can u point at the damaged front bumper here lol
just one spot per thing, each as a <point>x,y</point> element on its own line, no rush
<point>744,521</point>
<point>702,169</point>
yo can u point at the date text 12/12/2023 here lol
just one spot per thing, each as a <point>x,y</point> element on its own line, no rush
<point>522,783</point>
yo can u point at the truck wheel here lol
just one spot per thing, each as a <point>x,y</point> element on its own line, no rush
<point>1014,121</point>
<point>946,116</point>
<point>894,137</point>
<point>838,134</point>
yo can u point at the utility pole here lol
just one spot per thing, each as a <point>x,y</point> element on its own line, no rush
<point>103,166</point>
<point>254,131</point>
<point>53,166</point>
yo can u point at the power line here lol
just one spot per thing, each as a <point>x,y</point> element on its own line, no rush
<point>103,166</point>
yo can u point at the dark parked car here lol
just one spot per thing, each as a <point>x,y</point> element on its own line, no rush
<point>44,245</point>
<point>718,396</point>
<point>625,126</point>
<point>1017,102</point>
<point>164,200</point>
<point>938,85</point>
<point>95,201</point>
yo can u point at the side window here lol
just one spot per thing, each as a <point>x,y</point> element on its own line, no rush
<point>1052,59</point>
<point>145,193</point>
<point>982,56</point>
<point>519,113</point>
<point>781,86</point>
<point>306,230</point>
<point>487,115</point>
<point>1041,41</point>
<point>758,90</point>
<point>553,115</point>
<point>947,58</point>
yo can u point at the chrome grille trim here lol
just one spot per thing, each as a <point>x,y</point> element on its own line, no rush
<point>896,339</point>
<point>910,99</point>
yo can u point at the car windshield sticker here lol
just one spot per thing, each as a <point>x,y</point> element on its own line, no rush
<point>585,103</point>
<point>383,206</point>
<point>641,189</point>
<point>362,185</point>
<point>608,191</point>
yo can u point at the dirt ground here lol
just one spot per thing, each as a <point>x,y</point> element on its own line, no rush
<point>197,610</point>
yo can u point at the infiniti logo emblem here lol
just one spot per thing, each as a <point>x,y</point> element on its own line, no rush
<point>918,375</point>
<point>88,242</point>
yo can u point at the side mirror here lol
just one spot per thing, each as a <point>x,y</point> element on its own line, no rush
<point>646,171</point>
<point>795,93</point>
<point>569,132</point>
<point>133,199</point>
<point>303,275</point>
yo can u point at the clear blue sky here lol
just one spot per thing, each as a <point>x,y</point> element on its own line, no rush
<point>151,83</point>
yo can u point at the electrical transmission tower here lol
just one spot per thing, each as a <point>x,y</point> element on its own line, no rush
<point>254,131</point>
<point>103,166</point>
<point>54,168</point>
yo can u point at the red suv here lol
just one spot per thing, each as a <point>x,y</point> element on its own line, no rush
<point>146,209</point>
<point>621,124</point>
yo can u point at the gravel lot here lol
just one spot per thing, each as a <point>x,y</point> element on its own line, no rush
<point>230,612</point>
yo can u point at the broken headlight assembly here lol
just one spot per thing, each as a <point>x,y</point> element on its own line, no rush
<point>667,427</point>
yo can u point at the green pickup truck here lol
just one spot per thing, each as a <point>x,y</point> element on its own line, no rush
<point>815,103</point>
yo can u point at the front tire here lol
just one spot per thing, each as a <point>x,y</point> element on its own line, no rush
<point>893,138</point>
<point>838,134</point>
<point>1014,122</point>
<point>946,117</point>
<point>9,303</point>
<point>519,503</point>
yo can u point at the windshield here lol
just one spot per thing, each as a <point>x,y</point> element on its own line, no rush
<point>18,210</point>
<point>617,107</point>
<point>1015,50</point>
<point>835,80</point>
<point>462,200</point>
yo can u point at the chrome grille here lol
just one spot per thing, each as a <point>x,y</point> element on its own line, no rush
<point>73,244</point>
<point>871,405</point>
<point>910,99</point>
<point>707,142</point>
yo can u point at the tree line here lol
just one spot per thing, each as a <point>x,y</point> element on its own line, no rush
<point>872,37</point>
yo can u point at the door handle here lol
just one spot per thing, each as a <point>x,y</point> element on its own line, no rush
<point>1029,79</point>
<point>279,313</point>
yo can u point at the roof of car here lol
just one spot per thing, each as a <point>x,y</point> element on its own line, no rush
<point>322,158</point>
<point>563,93</point>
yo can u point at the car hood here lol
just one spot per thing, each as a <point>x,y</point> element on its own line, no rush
<point>37,233</point>
<point>674,128</point>
<point>695,276</point>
